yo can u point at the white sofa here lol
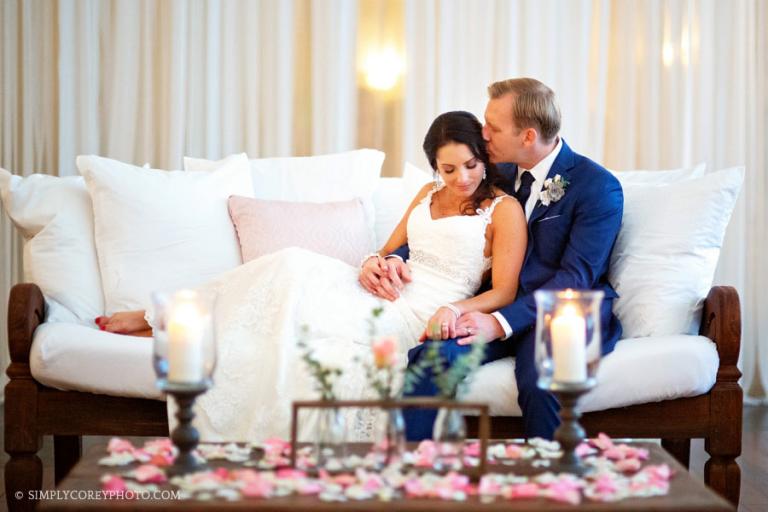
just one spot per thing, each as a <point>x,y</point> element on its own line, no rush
<point>662,268</point>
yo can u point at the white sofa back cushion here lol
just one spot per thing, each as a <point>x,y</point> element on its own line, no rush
<point>54,215</point>
<point>392,197</point>
<point>161,230</point>
<point>641,177</point>
<point>664,260</point>
<point>314,179</point>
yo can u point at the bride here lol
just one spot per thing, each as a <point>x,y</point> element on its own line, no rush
<point>460,232</point>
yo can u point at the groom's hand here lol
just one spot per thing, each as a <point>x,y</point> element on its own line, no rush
<point>478,327</point>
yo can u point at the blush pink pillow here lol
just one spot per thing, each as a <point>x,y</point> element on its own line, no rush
<point>335,229</point>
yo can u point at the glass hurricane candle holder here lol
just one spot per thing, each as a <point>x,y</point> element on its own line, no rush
<point>568,348</point>
<point>184,342</point>
<point>184,356</point>
<point>568,340</point>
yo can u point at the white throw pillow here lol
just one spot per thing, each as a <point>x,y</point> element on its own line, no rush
<point>641,177</point>
<point>664,260</point>
<point>313,179</point>
<point>392,198</point>
<point>55,217</point>
<point>161,230</point>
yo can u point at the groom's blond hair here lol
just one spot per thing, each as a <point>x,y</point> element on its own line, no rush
<point>534,105</point>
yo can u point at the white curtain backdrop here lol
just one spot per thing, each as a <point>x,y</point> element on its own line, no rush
<point>642,84</point>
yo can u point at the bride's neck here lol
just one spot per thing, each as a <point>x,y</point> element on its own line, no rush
<point>450,202</point>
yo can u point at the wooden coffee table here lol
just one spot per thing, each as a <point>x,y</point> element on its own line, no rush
<point>686,494</point>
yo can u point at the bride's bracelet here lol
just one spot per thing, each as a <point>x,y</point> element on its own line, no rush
<point>456,311</point>
<point>367,257</point>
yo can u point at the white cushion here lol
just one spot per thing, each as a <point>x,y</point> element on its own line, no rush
<point>161,230</point>
<point>77,358</point>
<point>392,197</point>
<point>54,215</point>
<point>638,371</point>
<point>664,260</point>
<point>642,177</point>
<point>314,179</point>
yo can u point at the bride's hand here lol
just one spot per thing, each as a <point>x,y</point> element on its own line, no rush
<point>398,272</point>
<point>441,326</point>
<point>372,271</point>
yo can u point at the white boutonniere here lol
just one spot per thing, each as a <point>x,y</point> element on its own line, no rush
<point>554,190</point>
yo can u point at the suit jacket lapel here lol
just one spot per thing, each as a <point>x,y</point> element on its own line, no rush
<point>562,166</point>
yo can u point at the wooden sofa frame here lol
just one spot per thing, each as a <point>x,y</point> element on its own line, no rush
<point>33,410</point>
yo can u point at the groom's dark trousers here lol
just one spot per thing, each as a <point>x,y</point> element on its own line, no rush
<point>569,246</point>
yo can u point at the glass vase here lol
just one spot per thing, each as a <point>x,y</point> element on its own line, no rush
<point>389,437</point>
<point>329,439</point>
<point>449,434</point>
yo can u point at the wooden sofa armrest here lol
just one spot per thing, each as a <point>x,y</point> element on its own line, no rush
<point>721,322</point>
<point>26,311</point>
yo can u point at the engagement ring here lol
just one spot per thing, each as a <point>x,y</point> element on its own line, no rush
<point>469,331</point>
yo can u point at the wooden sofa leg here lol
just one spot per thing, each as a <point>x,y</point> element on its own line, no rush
<point>680,449</point>
<point>66,452</point>
<point>24,469</point>
<point>721,471</point>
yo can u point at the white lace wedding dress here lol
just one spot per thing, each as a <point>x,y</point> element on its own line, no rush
<point>261,307</point>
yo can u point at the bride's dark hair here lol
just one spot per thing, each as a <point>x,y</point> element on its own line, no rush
<point>461,127</point>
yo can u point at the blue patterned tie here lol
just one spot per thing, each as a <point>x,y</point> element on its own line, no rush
<point>524,192</point>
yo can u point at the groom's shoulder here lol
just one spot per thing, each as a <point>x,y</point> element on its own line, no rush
<point>595,183</point>
<point>589,171</point>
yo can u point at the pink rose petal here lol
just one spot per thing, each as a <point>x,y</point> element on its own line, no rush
<point>584,449</point>
<point>259,488</point>
<point>514,451</point>
<point>290,473</point>
<point>113,484</point>
<point>522,491</point>
<point>345,479</point>
<point>489,486</point>
<point>602,441</point>
<point>117,445</point>
<point>148,473</point>
<point>472,449</point>
<point>628,465</point>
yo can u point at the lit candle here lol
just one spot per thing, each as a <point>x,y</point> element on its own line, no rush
<point>185,342</point>
<point>569,351</point>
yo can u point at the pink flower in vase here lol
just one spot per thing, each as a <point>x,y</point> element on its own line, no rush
<point>385,352</point>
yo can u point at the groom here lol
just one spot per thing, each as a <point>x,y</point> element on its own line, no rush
<point>572,227</point>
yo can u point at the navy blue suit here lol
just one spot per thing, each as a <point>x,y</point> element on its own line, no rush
<point>569,246</point>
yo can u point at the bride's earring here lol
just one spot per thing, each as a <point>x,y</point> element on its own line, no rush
<point>437,178</point>
<point>485,175</point>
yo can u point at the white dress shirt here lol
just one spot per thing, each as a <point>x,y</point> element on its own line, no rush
<point>539,172</point>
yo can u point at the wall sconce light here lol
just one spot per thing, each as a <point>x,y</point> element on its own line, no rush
<point>383,68</point>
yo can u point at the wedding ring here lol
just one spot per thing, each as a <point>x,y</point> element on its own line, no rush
<point>444,324</point>
<point>469,331</point>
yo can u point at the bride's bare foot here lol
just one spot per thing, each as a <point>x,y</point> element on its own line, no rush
<point>125,322</point>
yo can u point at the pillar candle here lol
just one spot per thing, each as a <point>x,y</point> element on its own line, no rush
<point>185,344</point>
<point>569,350</point>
